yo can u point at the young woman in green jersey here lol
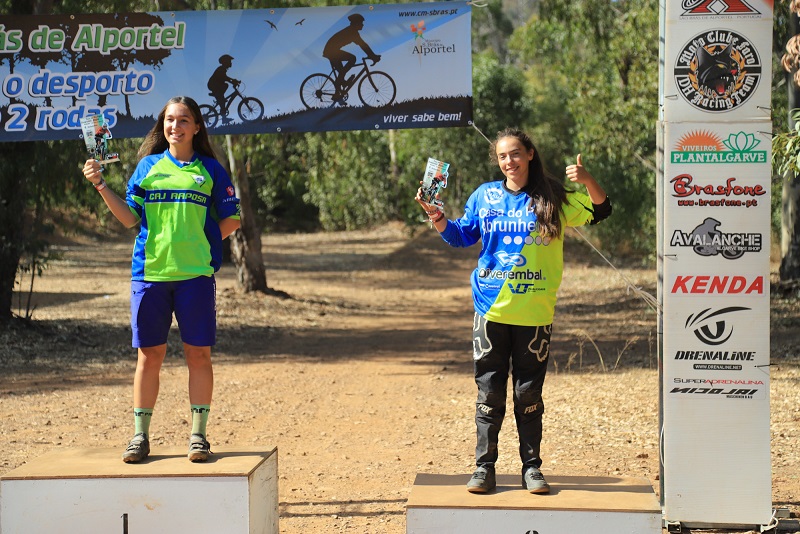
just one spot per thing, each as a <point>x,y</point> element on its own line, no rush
<point>520,222</point>
<point>185,205</point>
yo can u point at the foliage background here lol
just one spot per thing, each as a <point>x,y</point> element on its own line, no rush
<point>580,76</point>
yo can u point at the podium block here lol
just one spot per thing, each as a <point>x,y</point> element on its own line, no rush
<point>92,490</point>
<point>440,504</point>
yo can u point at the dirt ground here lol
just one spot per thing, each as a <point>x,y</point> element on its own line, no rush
<point>363,377</point>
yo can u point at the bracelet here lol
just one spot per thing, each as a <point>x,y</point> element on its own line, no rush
<point>437,219</point>
<point>100,185</point>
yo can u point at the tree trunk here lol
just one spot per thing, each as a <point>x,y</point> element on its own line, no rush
<point>790,229</point>
<point>16,158</point>
<point>790,198</point>
<point>394,168</point>
<point>246,241</point>
<point>15,164</point>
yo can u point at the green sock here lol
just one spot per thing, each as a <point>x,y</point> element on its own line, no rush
<point>141,420</point>
<point>199,418</point>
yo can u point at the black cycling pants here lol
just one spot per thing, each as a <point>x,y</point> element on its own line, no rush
<point>523,351</point>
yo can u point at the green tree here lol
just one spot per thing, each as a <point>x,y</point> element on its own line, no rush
<point>25,182</point>
<point>499,100</point>
<point>786,144</point>
<point>347,178</point>
<point>593,69</point>
<point>332,180</point>
<point>491,27</point>
<point>29,182</point>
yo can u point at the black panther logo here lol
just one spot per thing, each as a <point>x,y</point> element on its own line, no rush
<point>716,72</point>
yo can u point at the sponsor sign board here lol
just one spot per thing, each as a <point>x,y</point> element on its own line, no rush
<point>715,405</point>
<point>718,337</point>
<point>715,398</point>
<point>714,288</point>
<point>717,70</point>
<point>718,144</point>
<point>718,11</point>
<point>716,191</point>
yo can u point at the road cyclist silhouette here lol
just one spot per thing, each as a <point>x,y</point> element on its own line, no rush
<point>375,88</point>
<point>249,109</point>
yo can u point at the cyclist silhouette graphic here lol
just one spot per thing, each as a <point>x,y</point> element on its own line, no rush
<point>342,61</point>
<point>218,85</point>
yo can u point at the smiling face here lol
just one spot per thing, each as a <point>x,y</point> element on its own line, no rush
<point>180,127</point>
<point>513,159</point>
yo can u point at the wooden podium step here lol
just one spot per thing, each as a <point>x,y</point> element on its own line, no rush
<point>440,504</point>
<point>92,490</point>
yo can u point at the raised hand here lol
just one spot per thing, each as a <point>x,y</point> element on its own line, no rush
<point>577,173</point>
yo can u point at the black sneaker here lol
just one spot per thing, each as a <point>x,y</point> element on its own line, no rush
<point>482,480</point>
<point>137,450</point>
<point>199,448</point>
<point>533,480</point>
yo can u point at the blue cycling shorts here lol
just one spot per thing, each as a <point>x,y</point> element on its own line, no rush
<point>192,301</point>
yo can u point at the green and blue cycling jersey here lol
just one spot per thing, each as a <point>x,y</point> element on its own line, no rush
<point>179,206</point>
<point>519,271</point>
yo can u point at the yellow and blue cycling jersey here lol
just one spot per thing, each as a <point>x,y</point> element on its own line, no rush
<point>179,206</point>
<point>519,271</point>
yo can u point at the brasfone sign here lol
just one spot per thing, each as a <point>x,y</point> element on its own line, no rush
<point>714,261</point>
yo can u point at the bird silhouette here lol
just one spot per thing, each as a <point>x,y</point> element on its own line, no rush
<point>300,23</point>
<point>271,24</point>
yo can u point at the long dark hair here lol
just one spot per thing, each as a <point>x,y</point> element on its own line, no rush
<point>155,142</point>
<point>547,192</point>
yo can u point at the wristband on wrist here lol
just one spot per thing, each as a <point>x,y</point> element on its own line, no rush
<point>439,218</point>
<point>100,185</point>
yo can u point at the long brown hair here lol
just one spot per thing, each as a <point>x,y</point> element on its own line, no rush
<point>155,142</point>
<point>547,192</point>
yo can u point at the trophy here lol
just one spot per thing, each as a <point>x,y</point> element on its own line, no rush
<point>434,181</point>
<point>96,135</point>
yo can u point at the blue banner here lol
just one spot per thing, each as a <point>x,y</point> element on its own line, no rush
<point>252,71</point>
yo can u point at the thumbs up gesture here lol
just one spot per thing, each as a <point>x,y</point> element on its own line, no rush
<point>577,173</point>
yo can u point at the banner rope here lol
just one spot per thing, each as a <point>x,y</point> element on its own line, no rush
<point>649,299</point>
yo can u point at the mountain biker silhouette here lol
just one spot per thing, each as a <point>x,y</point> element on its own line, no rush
<point>342,61</point>
<point>218,85</point>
